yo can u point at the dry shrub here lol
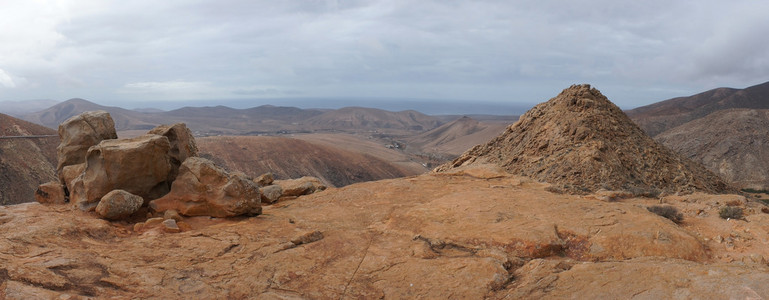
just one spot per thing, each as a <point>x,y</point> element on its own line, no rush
<point>730,212</point>
<point>667,211</point>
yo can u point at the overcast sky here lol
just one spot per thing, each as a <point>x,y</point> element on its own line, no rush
<point>123,52</point>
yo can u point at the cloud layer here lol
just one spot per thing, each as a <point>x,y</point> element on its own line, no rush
<point>636,52</point>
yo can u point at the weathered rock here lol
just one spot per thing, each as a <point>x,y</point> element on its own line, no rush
<point>271,193</point>
<point>182,145</point>
<point>51,193</point>
<point>118,204</point>
<point>265,179</point>
<point>139,166</point>
<point>300,186</point>
<point>203,189</point>
<point>77,134</point>
<point>582,142</point>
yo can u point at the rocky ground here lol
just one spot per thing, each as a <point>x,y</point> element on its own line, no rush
<point>471,233</point>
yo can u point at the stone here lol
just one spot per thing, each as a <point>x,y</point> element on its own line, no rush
<point>51,193</point>
<point>300,186</point>
<point>118,204</point>
<point>307,238</point>
<point>265,179</point>
<point>204,189</point>
<point>79,133</point>
<point>140,166</point>
<point>271,193</point>
<point>182,142</point>
<point>169,225</point>
<point>172,214</point>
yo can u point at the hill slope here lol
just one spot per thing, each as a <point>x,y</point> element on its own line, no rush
<point>661,116</point>
<point>732,143</point>
<point>293,158</point>
<point>124,119</point>
<point>25,163</point>
<point>453,138</point>
<point>360,118</point>
<point>582,141</point>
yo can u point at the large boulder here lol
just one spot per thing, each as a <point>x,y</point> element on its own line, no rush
<point>118,204</point>
<point>77,134</point>
<point>182,145</point>
<point>204,189</point>
<point>140,166</point>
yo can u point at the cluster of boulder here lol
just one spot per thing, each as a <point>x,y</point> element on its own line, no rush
<point>161,169</point>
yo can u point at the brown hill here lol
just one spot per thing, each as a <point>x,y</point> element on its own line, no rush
<point>293,158</point>
<point>360,119</point>
<point>27,159</point>
<point>661,116</point>
<point>452,139</point>
<point>732,143</point>
<point>582,141</point>
<point>434,236</point>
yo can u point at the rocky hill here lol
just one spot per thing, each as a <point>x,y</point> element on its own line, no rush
<point>293,158</point>
<point>362,118</point>
<point>583,142</point>
<point>732,143</point>
<point>26,161</point>
<point>661,116</point>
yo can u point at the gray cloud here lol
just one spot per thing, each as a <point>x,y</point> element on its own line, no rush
<point>635,51</point>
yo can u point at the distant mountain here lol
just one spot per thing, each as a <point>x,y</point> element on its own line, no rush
<point>124,119</point>
<point>294,158</point>
<point>25,162</point>
<point>454,138</point>
<point>733,143</point>
<point>373,119</point>
<point>20,108</point>
<point>661,116</point>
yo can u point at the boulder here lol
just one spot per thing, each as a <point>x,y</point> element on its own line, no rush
<point>300,186</point>
<point>118,204</point>
<point>271,193</point>
<point>182,145</point>
<point>79,133</point>
<point>140,166</point>
<point>204,189</point>
<point>51,193</point>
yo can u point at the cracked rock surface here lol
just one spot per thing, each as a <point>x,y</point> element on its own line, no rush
<point>472,233</point>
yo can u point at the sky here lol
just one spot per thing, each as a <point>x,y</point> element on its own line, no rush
<point>139,52</point>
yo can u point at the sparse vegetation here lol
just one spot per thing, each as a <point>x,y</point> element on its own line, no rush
<point>730,212</point>
<point>755,191</point>
<point>667,211</point>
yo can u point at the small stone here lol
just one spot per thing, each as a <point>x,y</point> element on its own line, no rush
<point>170,226</point>
<point>264,179</point>
<point>138,227</point>
<point>271,193</point>
<point>172,214</point>
<point>153,222</point>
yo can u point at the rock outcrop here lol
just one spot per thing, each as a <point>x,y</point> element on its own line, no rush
<point>203,189</point>
<point>77,134</point>
<point>140,166</point>
<point>472,234</point>
<point>300,186</point>
<point>583,142</point>
<point>51,193</point>
<point>118,204</point>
